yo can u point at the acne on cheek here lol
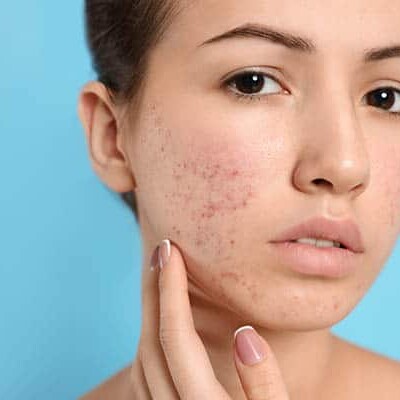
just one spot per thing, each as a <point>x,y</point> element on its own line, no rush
<point>228,187</point>
<point>390,187</point>
<point>212,178</point>
<point>223,184</point>
<point>223,170</point>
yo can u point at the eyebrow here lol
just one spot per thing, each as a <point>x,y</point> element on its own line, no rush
<point>297,43</point>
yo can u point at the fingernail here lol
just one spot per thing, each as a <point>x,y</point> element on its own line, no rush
<point>154,259</point>
<point>248,345</point>
<point>164,253</point>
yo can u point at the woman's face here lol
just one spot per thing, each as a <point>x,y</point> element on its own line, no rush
<point>222,176</point>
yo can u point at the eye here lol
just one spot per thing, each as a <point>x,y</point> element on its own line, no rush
<point>253,84</point>
<point>386,97</point>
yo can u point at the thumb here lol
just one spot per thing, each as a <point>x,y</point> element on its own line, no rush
<point>257,366</point>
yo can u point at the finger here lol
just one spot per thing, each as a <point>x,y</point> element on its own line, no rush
<point>150,353</point>
<point>187,359</point>
<point>257,367</point>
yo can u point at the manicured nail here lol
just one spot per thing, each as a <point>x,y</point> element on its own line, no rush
<point>248,345</point>
<point>154,259</point>
<point>164,253</point>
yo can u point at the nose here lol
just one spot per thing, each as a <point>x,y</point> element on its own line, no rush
<point>333,156</point>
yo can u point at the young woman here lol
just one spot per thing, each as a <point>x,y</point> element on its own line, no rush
<point>262,139</point>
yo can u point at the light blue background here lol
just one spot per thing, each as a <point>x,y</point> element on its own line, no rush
<point>70,250</point>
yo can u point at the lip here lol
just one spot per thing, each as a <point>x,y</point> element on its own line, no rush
<point>331,262</point>
<point>345,231</point>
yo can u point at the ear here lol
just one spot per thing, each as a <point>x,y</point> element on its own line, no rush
<point>99,119</point>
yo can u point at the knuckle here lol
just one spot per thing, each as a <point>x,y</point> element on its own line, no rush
<point>168,321</point>
<point>169,337</point>
<point>257,391</point>
<point>260,388</point>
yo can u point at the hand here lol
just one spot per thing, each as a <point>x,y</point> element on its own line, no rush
<point>186,356</point>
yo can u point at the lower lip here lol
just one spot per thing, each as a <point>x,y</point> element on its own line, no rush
<point>332,262</point>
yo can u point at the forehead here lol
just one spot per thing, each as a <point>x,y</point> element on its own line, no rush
<point>340,25</point>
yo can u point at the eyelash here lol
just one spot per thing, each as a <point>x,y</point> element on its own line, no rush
<point>252,97</point>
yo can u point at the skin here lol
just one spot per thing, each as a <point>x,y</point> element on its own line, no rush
<point>212,178</point>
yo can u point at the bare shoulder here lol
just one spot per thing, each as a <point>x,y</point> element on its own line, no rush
<point>116,387</point>
<point>372,373</point>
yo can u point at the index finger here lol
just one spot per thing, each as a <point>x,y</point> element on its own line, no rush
<point>187,359</point>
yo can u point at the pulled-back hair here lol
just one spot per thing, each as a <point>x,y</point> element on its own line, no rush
<point>120,35</point>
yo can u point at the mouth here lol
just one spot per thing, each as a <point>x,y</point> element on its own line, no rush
<point>308,259</point>
<point>335,244</point>
<point>322,232</point>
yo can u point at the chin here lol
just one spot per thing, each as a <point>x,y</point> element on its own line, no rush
<point>296,320</point>
<point>297,307</point>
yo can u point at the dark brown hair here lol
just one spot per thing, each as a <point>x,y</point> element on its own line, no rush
<point>120,35</point>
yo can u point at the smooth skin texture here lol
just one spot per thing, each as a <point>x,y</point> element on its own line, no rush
<point>210,172</point>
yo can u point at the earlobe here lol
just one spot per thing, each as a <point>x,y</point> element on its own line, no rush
<point>98,119</point>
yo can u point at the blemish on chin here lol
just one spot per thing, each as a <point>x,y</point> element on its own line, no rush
<point>176,230</point>
<point>230,275</point>
<point>199,242</point>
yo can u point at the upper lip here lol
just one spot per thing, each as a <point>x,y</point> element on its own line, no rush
<point>346,232</point>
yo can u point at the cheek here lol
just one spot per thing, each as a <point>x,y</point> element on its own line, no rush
<point>388,176</point>
<point>220,184</point>
<point>203,181</point>
<point>392,194</point>
<point>378,209</point>
<point>213,183</point>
